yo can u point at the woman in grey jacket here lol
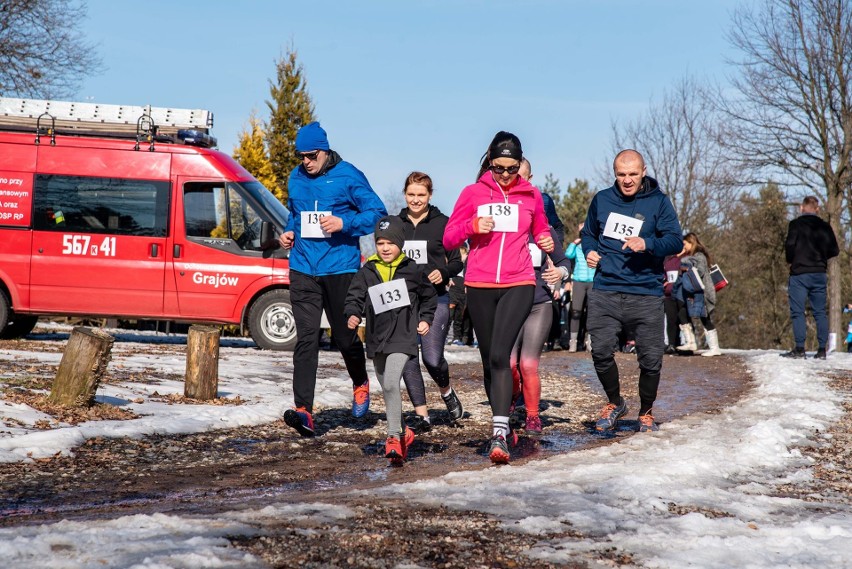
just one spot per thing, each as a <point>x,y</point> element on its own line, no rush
<point>696,255</point>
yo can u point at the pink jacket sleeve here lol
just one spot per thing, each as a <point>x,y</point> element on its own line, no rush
<point>460,225</point>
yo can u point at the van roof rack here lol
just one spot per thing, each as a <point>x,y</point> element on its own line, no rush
<point>94,119</point>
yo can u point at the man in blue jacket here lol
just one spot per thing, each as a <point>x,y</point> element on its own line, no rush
<point>331,205</point>
<point>629,230</point>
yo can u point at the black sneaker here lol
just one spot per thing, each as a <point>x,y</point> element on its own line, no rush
<point>301,420</point>
<point>798,353</point>
<point>820,355</point>
<point>420,425</point>
<point>454,406</point>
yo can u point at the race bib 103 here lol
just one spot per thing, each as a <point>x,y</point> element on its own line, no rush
<point>416,251</point>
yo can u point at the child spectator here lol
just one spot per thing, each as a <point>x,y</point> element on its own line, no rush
<point>395,294</point>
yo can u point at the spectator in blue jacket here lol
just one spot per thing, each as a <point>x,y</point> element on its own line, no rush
<point>581,284</point>
<point>331,205</point>
<point>629,230</point>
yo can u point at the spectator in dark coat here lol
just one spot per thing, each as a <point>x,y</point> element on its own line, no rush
<point>810,244</point>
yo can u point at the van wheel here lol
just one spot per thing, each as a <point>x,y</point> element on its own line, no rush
<point>19,327</point>
<point>271,322</point>
<point>5,311</point>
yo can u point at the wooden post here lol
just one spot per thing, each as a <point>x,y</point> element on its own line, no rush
<point>202,363</point>
<point>84,362</point>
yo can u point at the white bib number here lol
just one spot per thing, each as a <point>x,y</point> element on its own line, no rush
<point>416,251</point>
<point>535,253</point>
<point>505,216</point>
<point>389,295</point>
<point>622,227</point>
<point>311,224</point>
<point>672,275</point>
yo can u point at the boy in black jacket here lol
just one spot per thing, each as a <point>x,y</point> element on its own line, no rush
<point>393,291</point>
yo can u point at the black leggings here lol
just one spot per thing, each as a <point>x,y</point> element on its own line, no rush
<point>497,315</point>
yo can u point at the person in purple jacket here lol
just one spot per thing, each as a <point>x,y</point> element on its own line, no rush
<point>629,230</point>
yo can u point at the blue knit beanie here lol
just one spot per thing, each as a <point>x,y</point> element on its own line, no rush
<point>311,137</point>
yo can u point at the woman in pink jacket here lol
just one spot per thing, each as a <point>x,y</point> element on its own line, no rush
<point>496,215</point>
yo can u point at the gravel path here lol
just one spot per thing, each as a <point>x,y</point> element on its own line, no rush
<point>248,467</point>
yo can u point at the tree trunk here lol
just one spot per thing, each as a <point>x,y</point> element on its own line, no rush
<point>835,306</point>
<point>202,363</point>
<point>84,362</point>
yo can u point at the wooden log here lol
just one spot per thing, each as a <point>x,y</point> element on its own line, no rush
<point>83,363</point>
<point>202,363</point>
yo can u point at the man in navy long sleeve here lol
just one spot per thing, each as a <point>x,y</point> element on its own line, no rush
<point>810,244</point>
<point>629,230</point>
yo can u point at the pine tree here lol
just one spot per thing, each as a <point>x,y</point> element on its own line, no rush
<point>251,153</point>
<point>290,108</point>
<point>572,204</point>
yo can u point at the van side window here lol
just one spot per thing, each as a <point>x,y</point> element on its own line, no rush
<point>116,206</point>
<point>220,211</point>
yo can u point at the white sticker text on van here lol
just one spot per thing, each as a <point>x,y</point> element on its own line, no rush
<point>82,245</point>
<point>216,280</point>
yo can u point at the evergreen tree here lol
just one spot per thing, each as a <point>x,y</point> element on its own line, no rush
<point>572,204</point>
<point>290,108</point>
<point>251,153</point>
<point>752,311</point>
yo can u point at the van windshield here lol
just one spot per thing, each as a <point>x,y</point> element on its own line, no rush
<point>279,213</point>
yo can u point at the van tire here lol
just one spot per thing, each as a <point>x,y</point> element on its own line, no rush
<point>5,311</point>
<point>19,327</point>
<point>271,322</point>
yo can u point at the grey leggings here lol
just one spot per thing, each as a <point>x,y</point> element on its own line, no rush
<point>389,372</point>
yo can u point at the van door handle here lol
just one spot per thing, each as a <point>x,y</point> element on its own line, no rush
<point>176,251</point>
<point>155,250</point>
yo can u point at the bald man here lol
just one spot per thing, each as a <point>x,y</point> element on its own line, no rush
<point>629,230</point>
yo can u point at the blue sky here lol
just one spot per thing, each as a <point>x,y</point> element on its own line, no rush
<point>403,86</point>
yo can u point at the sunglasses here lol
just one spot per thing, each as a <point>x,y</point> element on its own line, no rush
<point>501,169</point>
<point>311,156</point>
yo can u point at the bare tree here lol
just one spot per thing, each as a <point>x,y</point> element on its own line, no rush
<point>42,53</point>
<point>394,200</point>
<point>791,118</point>
<point>679,139</point>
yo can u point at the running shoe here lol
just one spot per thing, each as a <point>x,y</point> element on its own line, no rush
<point>498,451</point>
<point>393,451</point>
<point>533,424</point>
<point>794,353</point>
<point>396,448</point>
<point>647,424</point>
<point>820,355</point>
<point>361,399</point>
<point>420,425</point>
<point>408,440</point>
<point>454,406</point>
<point>301,420</point>
<point>610,416</point>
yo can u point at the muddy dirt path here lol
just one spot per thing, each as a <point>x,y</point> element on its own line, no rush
<point>251,467</point>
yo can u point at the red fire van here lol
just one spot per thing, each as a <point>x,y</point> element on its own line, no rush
<point>113,211</point>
